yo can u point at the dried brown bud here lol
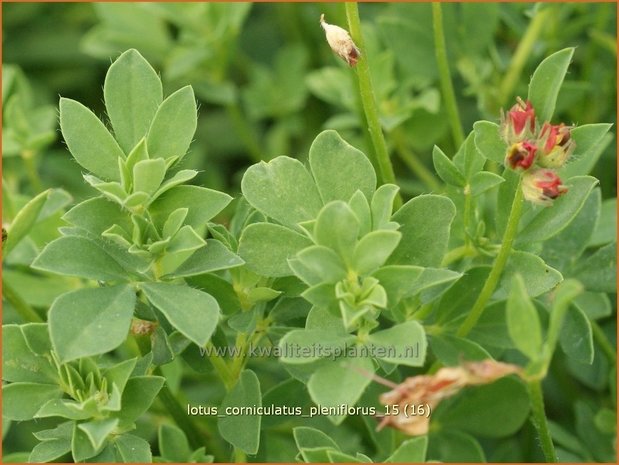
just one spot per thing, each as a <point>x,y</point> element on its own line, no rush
<point>431,389</point>
<point>340,42</point>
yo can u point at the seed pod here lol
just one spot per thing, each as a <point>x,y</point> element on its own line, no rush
<point>340,42</point>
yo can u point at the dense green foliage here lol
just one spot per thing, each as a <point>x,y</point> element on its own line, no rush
<point>195,255</point>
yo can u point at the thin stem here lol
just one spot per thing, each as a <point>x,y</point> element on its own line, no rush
<point>498,266</point>
<point>368,100</point>
<point>445,75</point>
<point>179,414</point>
<point>523,52</point>
<point>412,161</point>
<point>604,343</point>
<point>539,420</point>
<point>21,306</point>
<point>29,158</point>
<point>220,366</point>
<point>239,456</point>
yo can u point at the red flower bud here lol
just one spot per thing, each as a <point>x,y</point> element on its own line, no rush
<point>519,122</point>
<point>542,186</point>
<point>556,145</point>
<point>521,155</point>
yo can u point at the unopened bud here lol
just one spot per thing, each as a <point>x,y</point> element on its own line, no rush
<point>542,186</point>
<point>340,42</point>
<point>555,145</point>
<point>519,122</point>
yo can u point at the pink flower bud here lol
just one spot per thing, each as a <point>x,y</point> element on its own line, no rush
<point>521,155</point>
<point>519,122</point>
<point>340,42</point>
<point>555,145</point>
<point>542,186</point>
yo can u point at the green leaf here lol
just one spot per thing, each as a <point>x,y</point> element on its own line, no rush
<point>20,362</point>
<point>90,321</point>
<point>425,223</point>
<point>138,396</point>
<point>98,430</point>
<point>454,446</point>
<point>373,250</point>
<point>97,214</point>
<point>214,257</point>
<point>606,227</point>
<point>148,175</point>
<point>192,312</point>
<point>567,246</point>
<point>590,141</point>
<point>311,438</point>
<point>266,248</point>
<point>576,336</point>
<point>461,297</point>
<point>132,93</point>
<point>242,431</point>
<point>594,305</point>
<point>119,374</point>
<point>337,227</point>
<point>410,451</point>
<point>546,83</point>
<point>89,141</point>
<point>173,444</point>
<point>382,207</point>
<point>468,159</point>
<point>552,220</point>
<point>321,261</point>
<point>283,190</point>
<point>179,178</point>
<point>398,281</point>
<point>483,181</point>
<point>81,447</point>
<point>21,401</point>
<point>132,449</point>
<point>538,276</point>
<point>302,346</point>
<point>173,125</point>
<point>496,410</point>
<point>202,203</point>
<point>78,256</point>
<point>340,382</point>
<point>360,206</point>
<point>451,350</point>
<point>523,321</point>
<point>488,141</point>
<point>48,451</point>
<point>563,297</point>
<point>24,221</point>
<point>446,169</point>
<point>403,344</point>
<point>598,272</point>
<point>339,169</point>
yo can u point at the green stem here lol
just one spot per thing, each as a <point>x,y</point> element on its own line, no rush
<point>366,91</point>
<point>239,456</point>
<point>21,306</point>
<point>179,414</point>
<point>220,366</point>
<point>539,420</point>
<point>29,158</point>
<point>523,52</point>
<point>413,163</point>
<point>445,75</point>
<point>497,267</point>
<point>604,343</point>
